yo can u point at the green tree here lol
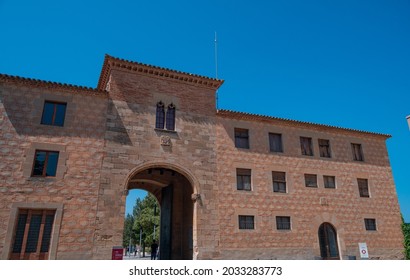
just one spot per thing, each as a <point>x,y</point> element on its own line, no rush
<point>128,231</point>
<point>406,232</point>
<point>146,214</point>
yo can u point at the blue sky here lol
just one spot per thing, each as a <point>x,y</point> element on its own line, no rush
<point>343,63</point>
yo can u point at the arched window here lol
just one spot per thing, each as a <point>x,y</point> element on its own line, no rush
<point>160,116</point>
<point>170,123</point>
<point>328,242</point>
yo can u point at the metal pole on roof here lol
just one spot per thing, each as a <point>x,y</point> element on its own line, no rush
<point>216,67</point>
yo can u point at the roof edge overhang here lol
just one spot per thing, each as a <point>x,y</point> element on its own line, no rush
<point>322,127</point>
<point>22,81</point>
<point>111,63</point>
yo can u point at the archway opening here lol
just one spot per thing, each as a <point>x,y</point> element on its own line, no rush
<point>328,242</point>
<point>173,191</point>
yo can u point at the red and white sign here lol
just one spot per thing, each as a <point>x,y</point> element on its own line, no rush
<point>364,253</point>
<point>117,252</point>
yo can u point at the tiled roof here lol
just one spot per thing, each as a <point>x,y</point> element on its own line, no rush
<point>165,73</point>
<point>256,117</point>
<point>50,85</point>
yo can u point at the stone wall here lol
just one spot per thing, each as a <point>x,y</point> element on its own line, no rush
<point>80,142</point>
<point>307,207</point>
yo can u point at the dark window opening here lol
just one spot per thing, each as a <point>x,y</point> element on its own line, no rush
<point>306,146</point>
<point>357,152</point>
<point>324,148</point>
<point>275,142</point>
<point>246,222</point>
<point>328,242</point>
<point>243,179</point>
<point>311,180</point>
<point>363,187</point>
<point>45,164</point>
<point>279,181</point>
<point>53,113</point>
<point>160,116</point>
<point>330,182</point>
<point>370,224</point>
<point>242,138</point>
<point>170,122</point>
<point>282,223</point>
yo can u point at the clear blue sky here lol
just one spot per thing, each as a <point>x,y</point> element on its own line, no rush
<point>303,60</point>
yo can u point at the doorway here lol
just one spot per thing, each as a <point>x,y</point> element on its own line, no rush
<point>328,242</point>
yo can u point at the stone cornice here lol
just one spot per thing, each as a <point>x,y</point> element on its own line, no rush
<point>21,81</point>
<point>149,70</point>
<point>320,127</point>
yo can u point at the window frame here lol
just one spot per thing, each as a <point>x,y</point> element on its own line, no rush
<point>363,186</point>
<point>240,138</point>
<point>160,115</point>
<point>325,182</point>
<point>53,119</point>
<point>283,223</point>
<point>306,146</point>
<point>370,224</point>
<point>272,144</point>
<point>170,117</point>
<point>279,181</point>
<point>357,151</point>
<point>245,224</point>
<point>324,148</point>
<point>44,171</point>
<point>306,176</point>
<point>241,173</point>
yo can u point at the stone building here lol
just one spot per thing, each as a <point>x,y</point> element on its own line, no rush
<point>231,185</point>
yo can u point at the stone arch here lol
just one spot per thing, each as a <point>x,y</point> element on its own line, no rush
<point>331,219</point>
<point>158,164</point>
<point>185,186</point>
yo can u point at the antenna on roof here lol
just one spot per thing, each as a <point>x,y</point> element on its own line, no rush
<point>216,68</point>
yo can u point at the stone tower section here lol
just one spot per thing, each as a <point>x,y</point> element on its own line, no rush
<point>140,144</point>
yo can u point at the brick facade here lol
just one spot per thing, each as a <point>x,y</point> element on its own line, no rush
<point>109,145</point>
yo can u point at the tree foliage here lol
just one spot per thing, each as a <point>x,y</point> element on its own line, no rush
<point>146,214</point>
<point>406,232</point>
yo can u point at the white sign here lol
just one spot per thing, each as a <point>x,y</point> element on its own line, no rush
<point>364,253</point>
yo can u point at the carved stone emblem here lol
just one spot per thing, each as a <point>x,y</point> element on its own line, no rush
<point>165,141</point>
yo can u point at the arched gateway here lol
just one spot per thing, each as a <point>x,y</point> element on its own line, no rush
<point>173,187</point>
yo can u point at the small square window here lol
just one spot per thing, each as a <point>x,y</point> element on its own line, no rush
<point>363,187</point>
<point>357,152</point>
<point>330,182</point>
<point>242,138</point>
<point>45,164</point>
<point>275,142</point>
<point>243,179</point>
<point>324,148</point>
<point>311,180</point>
<point>370,224</point>
<point>306,146</point>
<point>53,113</point>
<point>246,222</point>
<point>279,181</point>
<point>282,223</point>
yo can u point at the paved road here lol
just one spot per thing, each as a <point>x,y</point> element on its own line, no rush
<point>136,258</point>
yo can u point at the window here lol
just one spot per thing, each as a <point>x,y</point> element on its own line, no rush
<point>160,116</point>
<point>370,224</point>
<point>32,234</point>
<point>330,182</point>
<point>306,146</point>
<point>324,148</point>
<point>311,180</point>
<point>241,138</point>
<point>243,179</point>
<point>275,142</point>
<point>279,181</point>
<point>357,152</point>
<point>363,187</point>
<point>282,223</point>
<point>45,164</point>
<point>53,113</point>
<point>161,122</point>
<point>246,222</point>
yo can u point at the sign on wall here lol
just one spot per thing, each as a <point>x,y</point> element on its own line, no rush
<point>364,253</point>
